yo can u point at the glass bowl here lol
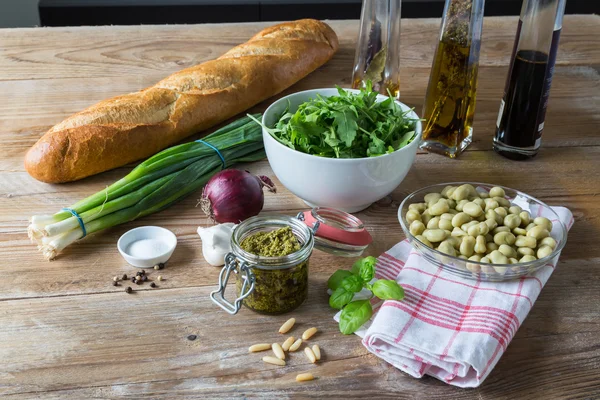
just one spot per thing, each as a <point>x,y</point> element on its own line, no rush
<point>481,270</point>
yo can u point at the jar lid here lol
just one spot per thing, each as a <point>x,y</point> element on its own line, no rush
<point>337,232</point>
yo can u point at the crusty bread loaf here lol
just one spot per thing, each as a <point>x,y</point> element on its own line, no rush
<point>127,128</point>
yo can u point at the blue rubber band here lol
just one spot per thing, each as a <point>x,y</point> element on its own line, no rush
<point>215,149</point>
<point>81,224</point>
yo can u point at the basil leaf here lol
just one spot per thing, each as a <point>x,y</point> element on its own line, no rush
<point>340,297</point>
<point>352,283</point>
<point>388,290</point>
<point>365,268</point>
<point>354,315</point>
<point>336,279</point>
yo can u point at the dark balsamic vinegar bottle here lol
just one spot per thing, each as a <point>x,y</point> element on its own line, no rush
<point>523,107</point>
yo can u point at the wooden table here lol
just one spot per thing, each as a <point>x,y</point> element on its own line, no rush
<point>66,332</point>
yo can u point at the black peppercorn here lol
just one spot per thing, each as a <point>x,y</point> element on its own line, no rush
<point>192,337</point>
<point>139,282</point>
<point>144,278</point>
<point>129,289</point>
<point>161,265</point>
<point>115,283</point>
<point>133,279</point>
<point>153,285</point>
<point>124,277</point>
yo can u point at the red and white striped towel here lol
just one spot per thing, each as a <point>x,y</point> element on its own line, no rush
<point>450,328</point>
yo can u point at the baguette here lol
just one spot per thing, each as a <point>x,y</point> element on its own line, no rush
<point>127,128</point>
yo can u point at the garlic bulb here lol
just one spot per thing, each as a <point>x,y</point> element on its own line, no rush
<point>216,242</point>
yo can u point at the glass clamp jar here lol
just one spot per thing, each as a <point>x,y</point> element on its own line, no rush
<point>337,232</point>
<point>276,285</point>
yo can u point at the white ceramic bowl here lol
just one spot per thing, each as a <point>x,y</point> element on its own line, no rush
<point>163,239</point>
<point>350,184</point>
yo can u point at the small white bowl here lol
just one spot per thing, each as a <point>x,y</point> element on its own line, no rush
<point>164,239</point>
<point>347,184</point>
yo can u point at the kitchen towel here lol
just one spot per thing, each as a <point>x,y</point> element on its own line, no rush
<point>447,327</point>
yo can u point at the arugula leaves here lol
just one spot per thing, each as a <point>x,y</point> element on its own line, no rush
<point>346,126</point>
<point>346,283</point>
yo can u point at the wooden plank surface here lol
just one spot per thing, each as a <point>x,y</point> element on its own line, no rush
<point>66,332</point>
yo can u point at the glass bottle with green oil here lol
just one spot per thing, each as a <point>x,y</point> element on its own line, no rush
<point>450,101</point>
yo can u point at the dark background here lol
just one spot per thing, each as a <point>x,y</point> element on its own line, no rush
<point>112,12</point>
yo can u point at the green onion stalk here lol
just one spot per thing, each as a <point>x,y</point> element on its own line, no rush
<point>152,186</point>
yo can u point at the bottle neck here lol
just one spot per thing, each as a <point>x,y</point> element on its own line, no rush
<point>537,24</point>
<point>462,21</point>
<point>550,11</point>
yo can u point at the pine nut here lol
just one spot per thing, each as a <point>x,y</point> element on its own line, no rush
<point>287,325</point>
<point>288,343</point>
<point>310,355</point>
<point>317,350</point>
<point>296,345</point>
<point>307,376</point>
<point>274,361</point>
<point>278,351</point>
<point>259,347</point>
<point>309,333</point>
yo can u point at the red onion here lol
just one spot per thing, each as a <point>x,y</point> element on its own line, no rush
<point>233,195</point>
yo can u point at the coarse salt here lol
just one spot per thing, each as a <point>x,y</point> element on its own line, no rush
<point>147,248</point>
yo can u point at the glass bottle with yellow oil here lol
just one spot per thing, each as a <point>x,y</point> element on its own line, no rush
<point>377,57</point>
<point>450,100</point>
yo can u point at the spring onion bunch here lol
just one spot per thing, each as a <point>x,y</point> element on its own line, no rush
<point>152,186</point>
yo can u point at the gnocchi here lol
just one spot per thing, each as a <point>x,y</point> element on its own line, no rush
<point>480,227</point>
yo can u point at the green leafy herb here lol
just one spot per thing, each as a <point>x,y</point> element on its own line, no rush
<point>376,68</point>
<point>354,315</point>
<point>346,283</point>
<point>352,283</point>
<point>365,268</point>
<point>340,297</point>
<point>345,126</point>
<point>336,279</point>
<point>388,290</point>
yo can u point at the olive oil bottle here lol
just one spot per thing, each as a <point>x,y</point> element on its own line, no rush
<point>450,100</point>
<point>377,57</point>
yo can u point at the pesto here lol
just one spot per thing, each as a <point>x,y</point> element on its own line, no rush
<point>277,243</point>
<point>275,290</point>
